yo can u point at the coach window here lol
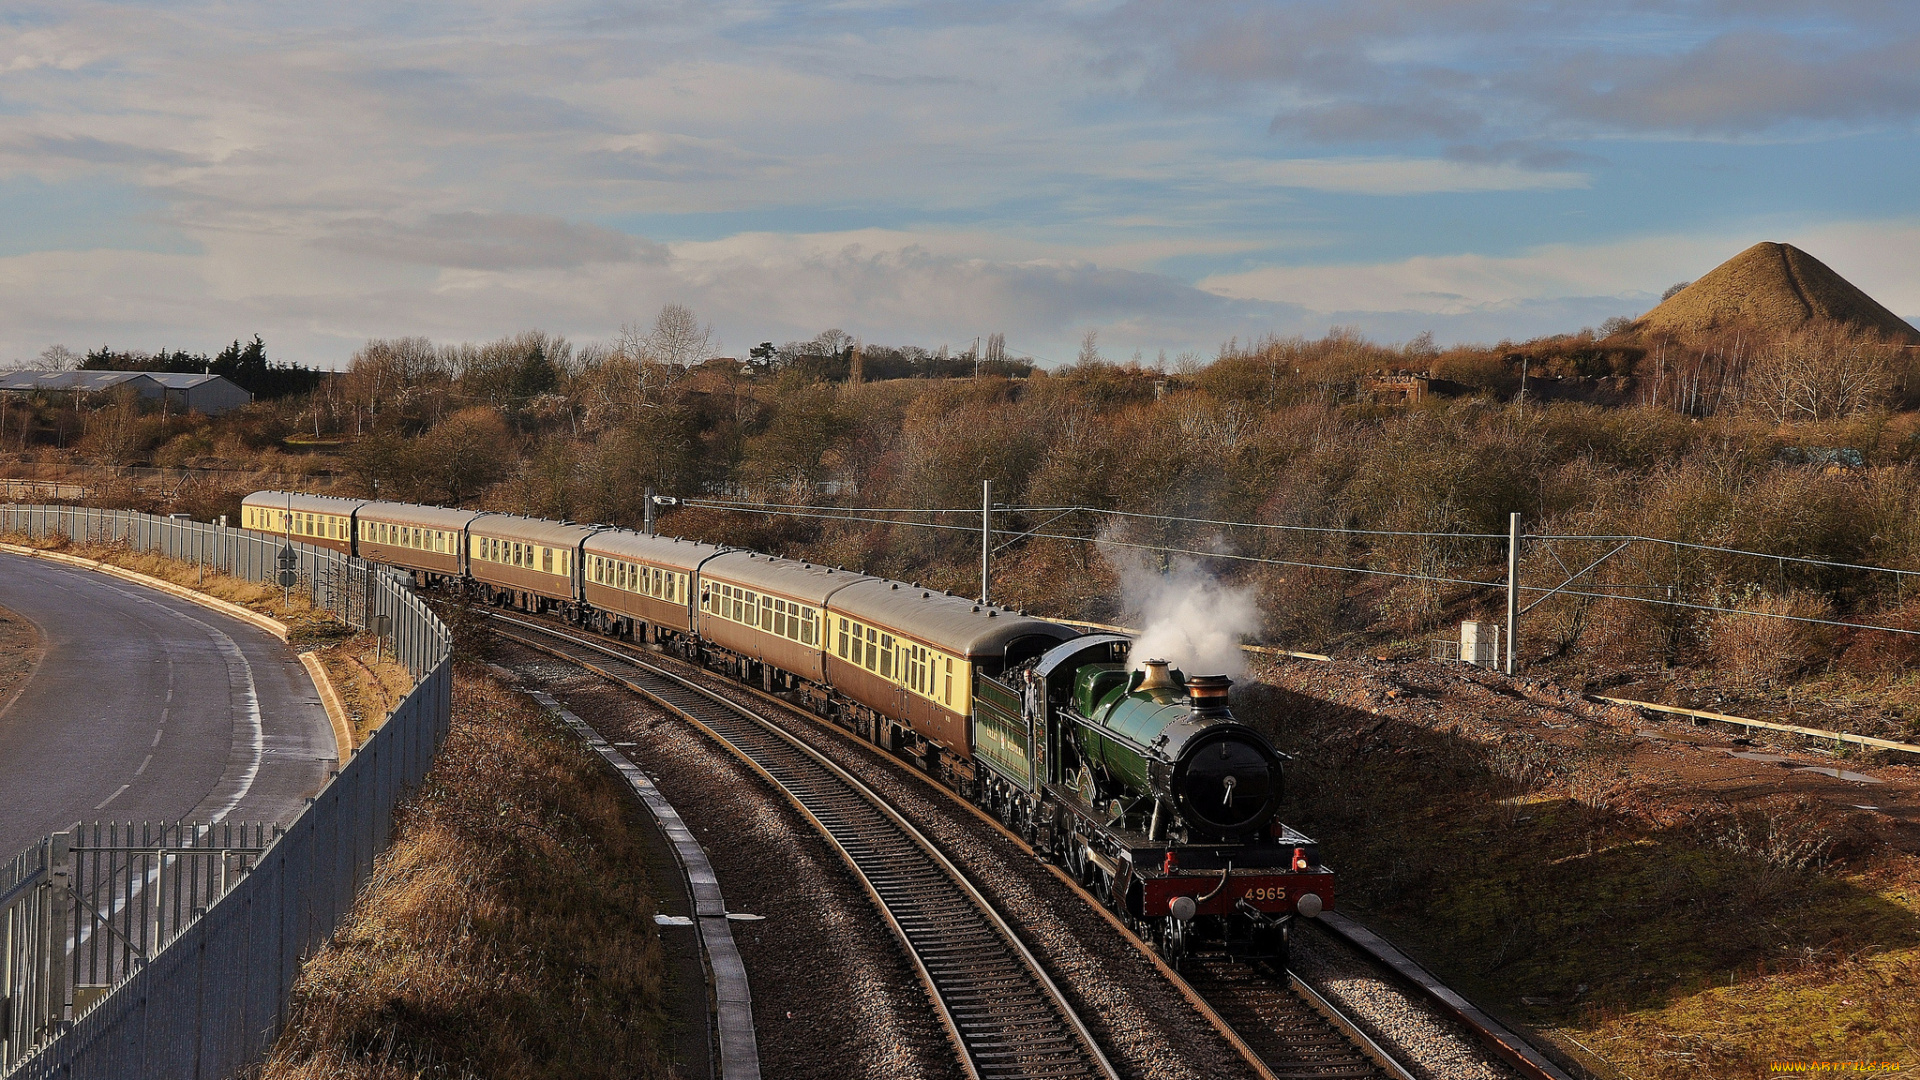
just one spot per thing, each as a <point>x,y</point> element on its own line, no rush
<point>949,692</point>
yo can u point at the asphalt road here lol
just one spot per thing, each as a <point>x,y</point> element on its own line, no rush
<point>145,707</point>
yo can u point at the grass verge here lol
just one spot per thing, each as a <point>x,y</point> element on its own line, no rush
<point>508,930</point>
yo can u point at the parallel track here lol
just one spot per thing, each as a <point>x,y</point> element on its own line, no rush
<point>1002,1011</point>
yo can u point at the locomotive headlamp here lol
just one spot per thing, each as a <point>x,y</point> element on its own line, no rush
<point>1309,905</point>
<point>1183,908</point>
<point>1299,858</point>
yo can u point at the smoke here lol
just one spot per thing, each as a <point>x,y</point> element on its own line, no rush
<point>1187,617</point>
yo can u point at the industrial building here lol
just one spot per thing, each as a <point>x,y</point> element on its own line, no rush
<point>210,395</point>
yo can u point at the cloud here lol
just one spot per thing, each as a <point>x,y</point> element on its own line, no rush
<point>479,241</point>
<point>1470,70</point>
<point>1409,176</point>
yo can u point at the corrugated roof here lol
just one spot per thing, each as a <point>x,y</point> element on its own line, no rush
<point>185,381</point>
<point>84,381</point>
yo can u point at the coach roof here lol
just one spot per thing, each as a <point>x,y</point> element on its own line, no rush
<point>953,623</point>
<point>558,534</point>
<point>807,582</point>
<point>428,517</point>
<point>659,550</point>
<point>305,504</point>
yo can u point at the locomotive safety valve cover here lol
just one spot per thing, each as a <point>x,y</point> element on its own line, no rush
<point>1270,893</point>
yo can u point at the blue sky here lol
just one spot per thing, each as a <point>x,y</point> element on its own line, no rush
<point>1170,173</point>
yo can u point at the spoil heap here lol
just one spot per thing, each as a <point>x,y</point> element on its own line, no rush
<point>1775,288</point>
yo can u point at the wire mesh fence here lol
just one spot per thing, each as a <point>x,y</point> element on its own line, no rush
<point>169,949</point>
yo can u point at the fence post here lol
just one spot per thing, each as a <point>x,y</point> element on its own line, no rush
<point>1513,587</point>
<point>59,919</point>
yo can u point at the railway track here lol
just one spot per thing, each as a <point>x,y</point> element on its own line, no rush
<point>1285,1031</point>
<point>1004,1014</point>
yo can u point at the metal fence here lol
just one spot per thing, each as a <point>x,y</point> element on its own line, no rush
<point>169,951</point>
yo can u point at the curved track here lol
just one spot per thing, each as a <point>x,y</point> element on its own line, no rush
<point>1002,1011</point>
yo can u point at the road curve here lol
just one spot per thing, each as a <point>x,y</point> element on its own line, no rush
<point>147,707</point>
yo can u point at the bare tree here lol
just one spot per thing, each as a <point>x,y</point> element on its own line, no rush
<point>677,338</point>
<point>1089,348</point>
<point>1820,373</point>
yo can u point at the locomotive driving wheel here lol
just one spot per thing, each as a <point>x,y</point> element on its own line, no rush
<point>1173,941</point>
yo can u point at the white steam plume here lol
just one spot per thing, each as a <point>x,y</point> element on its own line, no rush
<point>1187,617</point>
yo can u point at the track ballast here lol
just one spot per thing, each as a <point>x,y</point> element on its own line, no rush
<point>1004,1013</point>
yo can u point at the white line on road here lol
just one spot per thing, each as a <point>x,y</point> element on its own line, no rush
<point>102,804</point>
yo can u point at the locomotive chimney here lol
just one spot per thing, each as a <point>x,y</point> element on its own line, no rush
<point>1154,677</point>
<point>1209,694</point>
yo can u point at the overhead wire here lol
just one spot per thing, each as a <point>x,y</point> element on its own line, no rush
<point>807,511</point>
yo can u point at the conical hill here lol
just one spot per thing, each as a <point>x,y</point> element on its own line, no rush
<point>1775,288</point>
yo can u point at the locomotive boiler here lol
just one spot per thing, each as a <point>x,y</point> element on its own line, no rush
<point>1141,782</point>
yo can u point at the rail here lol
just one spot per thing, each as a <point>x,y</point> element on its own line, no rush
<point>1004,1014</point>
<point>205,990</point>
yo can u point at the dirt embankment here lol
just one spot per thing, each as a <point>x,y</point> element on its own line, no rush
<point>1677,900</point>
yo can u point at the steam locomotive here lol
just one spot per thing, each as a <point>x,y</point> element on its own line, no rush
<point>1132,775</point>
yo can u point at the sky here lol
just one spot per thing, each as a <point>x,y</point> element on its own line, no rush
<point>1171,174</point>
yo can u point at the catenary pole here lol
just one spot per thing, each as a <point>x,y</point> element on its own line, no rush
<point>1513,586</point>
<point>986,540</point>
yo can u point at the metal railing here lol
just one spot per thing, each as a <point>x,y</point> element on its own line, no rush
<point>169,950</point>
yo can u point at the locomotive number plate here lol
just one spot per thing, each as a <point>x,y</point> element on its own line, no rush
<point>1267,892</point>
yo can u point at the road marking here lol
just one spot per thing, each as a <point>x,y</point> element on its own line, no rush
<point>102,805</point>
<point>241,685</point>
<point>143,765</point>
<point>156,736</point>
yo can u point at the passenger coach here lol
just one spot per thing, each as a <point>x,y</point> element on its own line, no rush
<point>529,562</point>
<point>910,654</point>
<point>321,520</point>
<point>641,586</point>
<point>771,612</point>
<point>425,539</point>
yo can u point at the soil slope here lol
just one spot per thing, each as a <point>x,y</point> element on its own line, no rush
<point>1778,288</point>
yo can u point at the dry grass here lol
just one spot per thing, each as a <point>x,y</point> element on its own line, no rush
<point>1775,288</point>
<point>1545,883</point>
<point>367,678</point>
<point>507,932</point>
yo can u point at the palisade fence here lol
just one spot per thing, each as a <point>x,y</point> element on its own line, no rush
<point>203,992</point>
